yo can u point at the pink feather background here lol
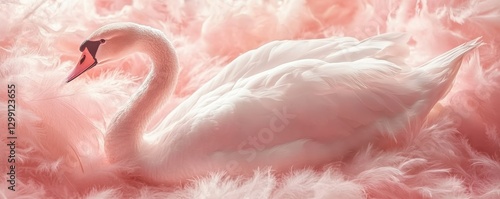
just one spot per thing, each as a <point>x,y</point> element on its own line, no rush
<point>60,126</point>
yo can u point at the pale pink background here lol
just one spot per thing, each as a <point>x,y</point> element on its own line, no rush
<point>453,156</point>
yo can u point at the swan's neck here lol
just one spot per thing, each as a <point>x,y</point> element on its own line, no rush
<point>125,132</point>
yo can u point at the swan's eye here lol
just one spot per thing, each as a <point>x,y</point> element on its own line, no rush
<point>82,59</point>
<point>102,41</point>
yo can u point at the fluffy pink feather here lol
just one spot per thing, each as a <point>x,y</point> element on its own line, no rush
<point>59,145</point>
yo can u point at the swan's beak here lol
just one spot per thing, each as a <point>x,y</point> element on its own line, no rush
<point>86,62</point>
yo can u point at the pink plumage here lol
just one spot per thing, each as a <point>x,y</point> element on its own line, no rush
<point>411,145</point>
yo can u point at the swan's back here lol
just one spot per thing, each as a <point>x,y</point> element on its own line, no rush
<point>333,50</point>
<point>296,104</point>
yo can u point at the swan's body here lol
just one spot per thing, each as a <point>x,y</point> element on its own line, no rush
<point>286,104</point>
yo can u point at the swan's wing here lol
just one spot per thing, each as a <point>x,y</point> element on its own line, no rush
<point>390,46</point>
<point>332,50</point>
<point>303,112</point>
<point>333,88</point>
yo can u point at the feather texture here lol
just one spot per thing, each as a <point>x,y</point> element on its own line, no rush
<point>453,155</point>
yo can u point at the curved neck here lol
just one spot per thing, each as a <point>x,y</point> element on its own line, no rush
<point>125,131</point>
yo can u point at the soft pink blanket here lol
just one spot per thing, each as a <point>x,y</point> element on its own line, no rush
<point>59,127</point>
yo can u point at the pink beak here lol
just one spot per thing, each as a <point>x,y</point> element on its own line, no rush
<point>87,61</point>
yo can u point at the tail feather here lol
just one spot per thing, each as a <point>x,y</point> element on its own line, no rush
<point>434,79</point>
<point>451,58</point>
<point>440,72</point>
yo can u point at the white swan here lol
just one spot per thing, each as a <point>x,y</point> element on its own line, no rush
<point>286,104</point>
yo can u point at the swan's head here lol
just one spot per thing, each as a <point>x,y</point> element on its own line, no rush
<point>108,43</point>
